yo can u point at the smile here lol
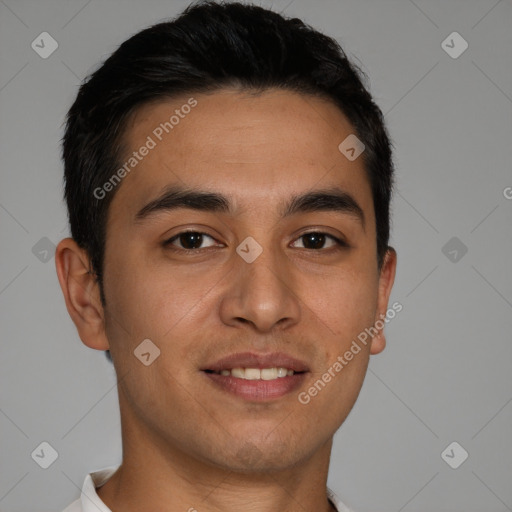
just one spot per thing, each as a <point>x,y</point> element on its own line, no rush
<point>256,373</point>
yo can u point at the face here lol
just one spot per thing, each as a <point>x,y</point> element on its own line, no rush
<point>247,286</point>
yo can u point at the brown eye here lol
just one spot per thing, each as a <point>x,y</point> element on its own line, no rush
<point>315,240</point>
<point>188,240</point>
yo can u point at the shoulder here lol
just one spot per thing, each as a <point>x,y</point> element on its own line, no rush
<point>340,506</point>
<point>92,481</point>
<point>76,506</point>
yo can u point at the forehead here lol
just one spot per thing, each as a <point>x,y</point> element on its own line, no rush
<point>252,147</point>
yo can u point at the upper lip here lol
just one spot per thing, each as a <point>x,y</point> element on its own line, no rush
<point>254,360</point>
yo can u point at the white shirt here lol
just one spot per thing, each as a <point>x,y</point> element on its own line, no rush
<point>89,500</point>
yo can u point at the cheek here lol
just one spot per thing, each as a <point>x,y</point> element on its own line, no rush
<point>344,306</point>
<point>159,299</point>
<point>344,302</point>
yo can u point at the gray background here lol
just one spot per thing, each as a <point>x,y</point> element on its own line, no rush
<point>446,372</point>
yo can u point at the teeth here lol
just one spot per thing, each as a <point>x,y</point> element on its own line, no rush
<point>283,372</point>
<point>238,372</point>
<point>256,373</point>
<point>252,373</point>
<point>269,373</point>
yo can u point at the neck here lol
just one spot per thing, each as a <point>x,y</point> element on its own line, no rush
<point>158,475</point>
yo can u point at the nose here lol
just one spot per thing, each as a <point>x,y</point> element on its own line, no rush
<point>263,293</point>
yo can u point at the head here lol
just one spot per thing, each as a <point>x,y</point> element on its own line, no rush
<point>230,110</point>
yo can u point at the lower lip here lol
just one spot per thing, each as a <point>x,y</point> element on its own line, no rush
<point>258,390</point>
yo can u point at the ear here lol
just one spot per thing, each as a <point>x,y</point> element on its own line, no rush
<point>386,280</point>
<point>81,293</point>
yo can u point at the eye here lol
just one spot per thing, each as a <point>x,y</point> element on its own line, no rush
<point>189,240</point>
<point>316,239</point>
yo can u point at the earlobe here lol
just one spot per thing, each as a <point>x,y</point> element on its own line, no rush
<point>378,343</point>
<point>81,293</point>
<point>386,280</point>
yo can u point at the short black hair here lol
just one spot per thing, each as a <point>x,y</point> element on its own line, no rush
<point>209,47</point>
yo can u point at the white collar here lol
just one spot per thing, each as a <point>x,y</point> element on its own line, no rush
<point>89,500</point>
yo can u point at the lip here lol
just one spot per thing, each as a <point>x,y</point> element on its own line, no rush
<point>257,390</point>
<point>255,360</point>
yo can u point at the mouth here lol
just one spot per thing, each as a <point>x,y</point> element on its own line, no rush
<point>257,377</point>
<point>255,373</point>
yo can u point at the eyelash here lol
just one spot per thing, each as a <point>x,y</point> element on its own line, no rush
<point>168,243</point>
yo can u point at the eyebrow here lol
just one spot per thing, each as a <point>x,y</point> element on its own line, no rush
<point>332,199</point>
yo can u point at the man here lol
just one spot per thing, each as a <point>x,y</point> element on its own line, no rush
<point>228,180</point>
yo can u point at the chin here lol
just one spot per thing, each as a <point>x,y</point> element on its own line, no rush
<point>266,456</point>
<point>254,462</point>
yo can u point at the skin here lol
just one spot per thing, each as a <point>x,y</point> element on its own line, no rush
<point>187,444</point>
